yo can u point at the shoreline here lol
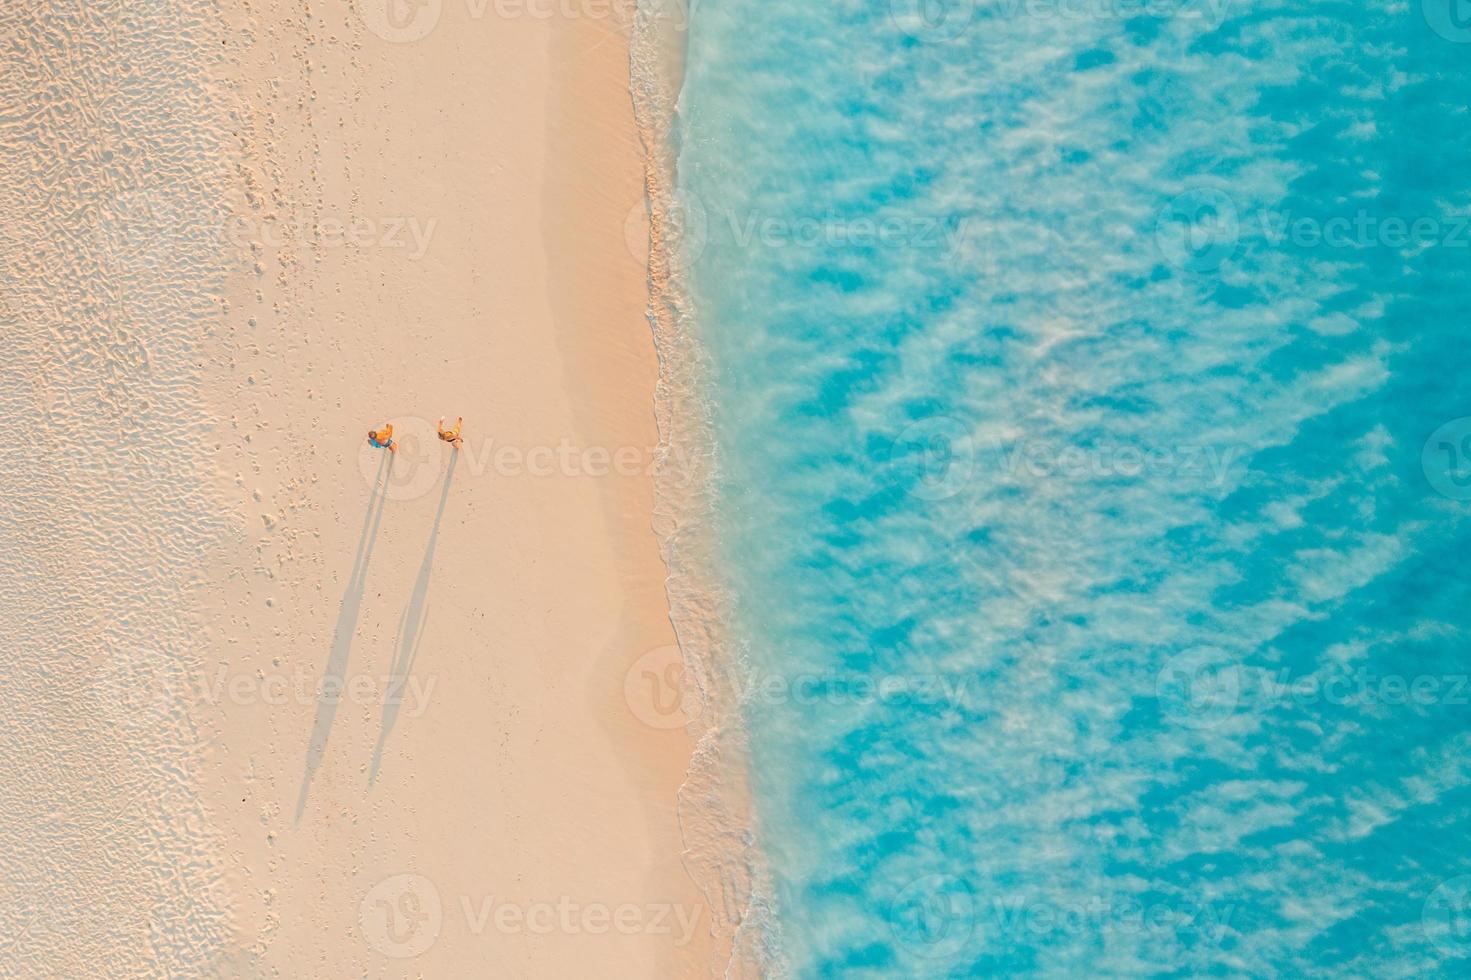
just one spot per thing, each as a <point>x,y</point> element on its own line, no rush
<point>716,814</point>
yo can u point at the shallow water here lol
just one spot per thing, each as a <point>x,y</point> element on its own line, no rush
<point>1087,387</point>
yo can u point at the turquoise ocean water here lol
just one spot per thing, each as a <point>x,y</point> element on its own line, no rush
<point>1091,383</point>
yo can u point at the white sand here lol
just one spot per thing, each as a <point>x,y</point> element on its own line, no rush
<point>107,290</point>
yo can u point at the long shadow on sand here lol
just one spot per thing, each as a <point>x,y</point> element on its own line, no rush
<point>329,693</point>
<point>410,630</point>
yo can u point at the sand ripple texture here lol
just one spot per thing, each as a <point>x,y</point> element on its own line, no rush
<point>109,287</point>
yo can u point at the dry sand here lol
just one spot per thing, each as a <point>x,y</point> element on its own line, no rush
<point>464,197</point>
<point>424,217</point>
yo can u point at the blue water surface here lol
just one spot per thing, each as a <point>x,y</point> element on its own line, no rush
<point>1091,388</point>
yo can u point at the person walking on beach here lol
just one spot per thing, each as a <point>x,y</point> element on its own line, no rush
<point>452,436</point>
<point>383,439</point>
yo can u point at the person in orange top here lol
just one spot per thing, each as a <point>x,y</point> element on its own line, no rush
<point>383,439</point>
<point>452,436</point>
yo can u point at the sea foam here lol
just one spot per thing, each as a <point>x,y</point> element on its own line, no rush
<point>1090,477</point>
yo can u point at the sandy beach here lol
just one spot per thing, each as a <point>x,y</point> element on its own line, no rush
<point>405,729</point>
<point>930,489</point>
<point>450,211</point>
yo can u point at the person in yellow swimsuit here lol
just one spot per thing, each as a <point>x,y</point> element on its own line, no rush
<point>383,439</point>
<point>452,436</point>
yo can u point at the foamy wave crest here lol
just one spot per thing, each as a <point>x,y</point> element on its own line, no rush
<point>720,851</point>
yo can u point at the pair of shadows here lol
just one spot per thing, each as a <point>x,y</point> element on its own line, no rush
<point>410,632</point>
